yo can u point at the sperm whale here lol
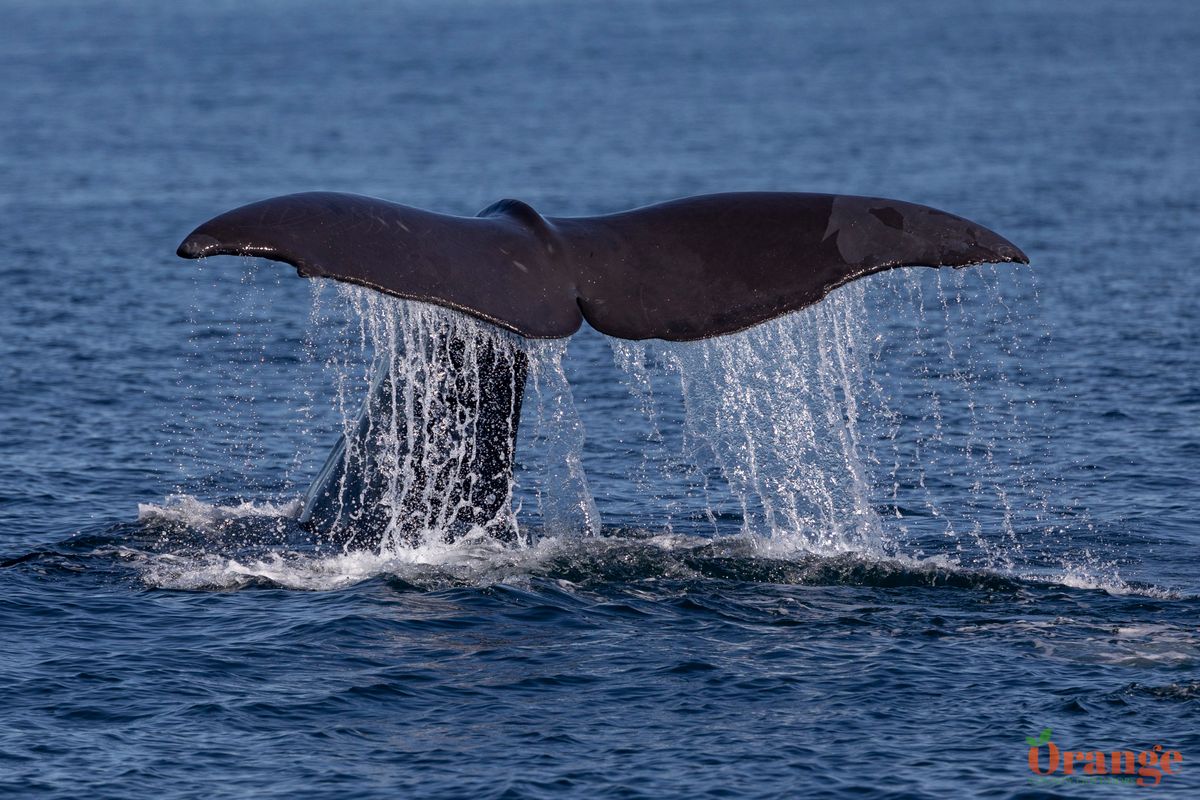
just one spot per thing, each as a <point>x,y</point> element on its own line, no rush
<point>682,270</point>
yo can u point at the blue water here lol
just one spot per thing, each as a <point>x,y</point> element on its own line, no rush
<point>1021,543</point>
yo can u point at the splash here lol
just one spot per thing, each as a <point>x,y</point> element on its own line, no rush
<point>900,418</point>
<point>211,552</point>
<point>427,457</point>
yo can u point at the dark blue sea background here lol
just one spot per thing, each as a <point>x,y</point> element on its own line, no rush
<point>1018,446</point>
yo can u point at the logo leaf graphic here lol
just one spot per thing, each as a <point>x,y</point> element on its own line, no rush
<point>1043,737</point>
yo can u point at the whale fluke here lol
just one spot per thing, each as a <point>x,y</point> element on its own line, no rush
<point>681,270</point>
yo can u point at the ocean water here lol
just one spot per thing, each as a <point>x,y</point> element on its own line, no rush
<point>869,550</point>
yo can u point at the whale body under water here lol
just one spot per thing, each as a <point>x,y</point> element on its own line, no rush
<point>683,270</point>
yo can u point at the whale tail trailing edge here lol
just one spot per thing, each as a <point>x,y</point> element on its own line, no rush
<point>682,270</point>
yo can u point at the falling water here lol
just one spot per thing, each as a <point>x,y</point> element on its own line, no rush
<point>905,415</point>
<point>826,429</point>
<point>414,442</point>
<point>973,340</point>
<point>776,410</point>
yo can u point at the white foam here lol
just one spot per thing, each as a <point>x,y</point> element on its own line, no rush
<point>1079,577</point>
<point>479,560</point>
<point>475,560</point>
<point>196,513</point>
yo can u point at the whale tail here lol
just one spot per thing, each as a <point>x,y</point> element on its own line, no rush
<point>682,270</point>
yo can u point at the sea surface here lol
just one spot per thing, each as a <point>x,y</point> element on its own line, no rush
<point>871,550</point>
